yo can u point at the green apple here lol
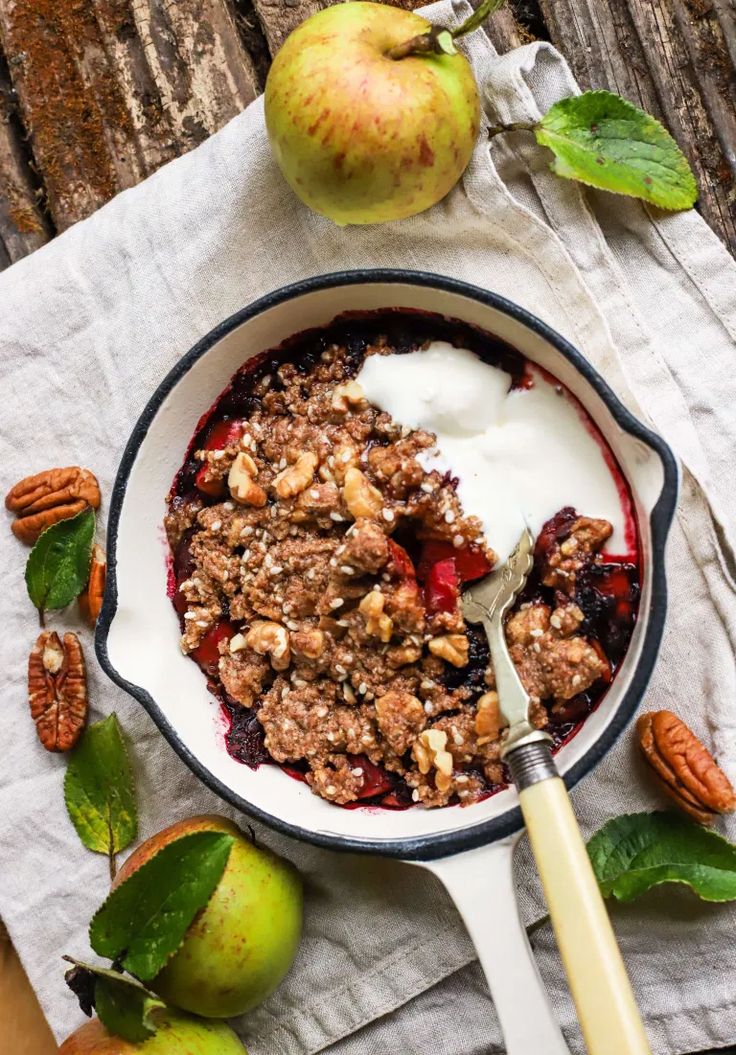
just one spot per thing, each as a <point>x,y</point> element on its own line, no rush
<point>177,1034</point>
<point>360,136</point>
<point>238,949</point>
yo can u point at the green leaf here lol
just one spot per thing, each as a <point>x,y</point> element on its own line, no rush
<point>476,20</point>
<point>123,1006</point>
<point>632,853</point>
<point>144,920</point>
<point>602,140</point>
<point>99,791</point>
<point>58,565</point>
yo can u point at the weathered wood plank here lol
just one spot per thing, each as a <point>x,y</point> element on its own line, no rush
<point>23,226</point>
<point>674,58</point>
<point>111,89</point>
<point>279,17</point>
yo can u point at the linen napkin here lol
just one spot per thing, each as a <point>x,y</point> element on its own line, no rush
<point>91,323</point>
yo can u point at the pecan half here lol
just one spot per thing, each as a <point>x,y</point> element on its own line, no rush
<point>57,690</point>
<point>689,773</point>
<point>90,601</point>
<point>48,497</point>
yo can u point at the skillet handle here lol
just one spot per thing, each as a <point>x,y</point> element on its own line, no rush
<point>600,987</point>
<point>481,883</point>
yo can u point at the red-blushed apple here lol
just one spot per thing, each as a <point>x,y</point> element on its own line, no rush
<point>362,137</point>
<point>176,1034</point>
<point>238,949</point>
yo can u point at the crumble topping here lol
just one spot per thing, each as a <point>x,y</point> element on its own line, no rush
<point>318,571</point>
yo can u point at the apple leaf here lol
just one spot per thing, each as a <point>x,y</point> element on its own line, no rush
<point>604,141</point>
<point>58,565</point>
<point>632,853</point>
<point>144,920</point>
<point>123,1006</point>
<point>99,791</point>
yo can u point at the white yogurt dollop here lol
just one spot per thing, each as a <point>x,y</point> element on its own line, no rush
<point>519,455</point>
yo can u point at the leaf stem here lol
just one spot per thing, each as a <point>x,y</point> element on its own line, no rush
<point>514,126</point>
<point>42,618</point>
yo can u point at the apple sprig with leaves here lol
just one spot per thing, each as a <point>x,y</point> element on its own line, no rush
<point>373,115</point>
<point>141,926</point>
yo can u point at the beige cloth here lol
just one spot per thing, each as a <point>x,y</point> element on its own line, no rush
<point>88,327</point>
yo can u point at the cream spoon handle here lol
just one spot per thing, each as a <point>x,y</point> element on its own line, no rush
<point>600,987</point>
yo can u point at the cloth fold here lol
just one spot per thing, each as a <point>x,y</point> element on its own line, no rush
<point>92,322</point>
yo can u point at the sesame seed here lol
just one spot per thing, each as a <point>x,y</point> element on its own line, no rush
<point>330,737</point>
<point>387,515</point>
<point>461,779</point>
<point>215,525</point>
<point>190,615</point>
<point>292,625</point>
<point>268,560</point>
<point>333,562</point>
<point>458,541</point>
<point>428,706</point>
<point>449,516</point>
<point>357,772</point>
<point>427,488</point>
<point>282,463</point>
<point>330,789</point>
<point>203,623</point>
<point>576,679</point>
<point>348,693</point>
<point>229,506</point>
<point>247,530</point>
<point>362,688</point>
<point>537,647</point>
<point>415,795</point>
<point>246,555</point>
<point>275,570</point>
<point>556,622</point>
<point>336,602</point>
<point>346,456</point>
<point>342,622</point>
<point>336,517</point>
<point>314,493</point>
<point>218,455</point>
<point>322,712</point>
<point>339,668</point>
<point>536,632</point>
<point>331,461</point>
<point>346,569</point>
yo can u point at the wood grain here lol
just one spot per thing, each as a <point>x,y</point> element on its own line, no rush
<point>111,89</point>
<point>674,58</point>
<point>23,225</point>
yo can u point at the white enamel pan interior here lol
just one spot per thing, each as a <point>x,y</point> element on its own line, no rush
<point>138,631</point>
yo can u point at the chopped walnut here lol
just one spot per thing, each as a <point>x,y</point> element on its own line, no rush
<point>297,477</point>
<point>361,497</point>
<point>347,396</point>
<point>241,482</point>
<point>400,717</point>
<point>268,638</point>
<point>488,719</point>
<point>377,623</point>
<point>430,750</point>
<point>453,648</point>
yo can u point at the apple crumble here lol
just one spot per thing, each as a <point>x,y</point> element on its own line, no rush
<point>317,570</point>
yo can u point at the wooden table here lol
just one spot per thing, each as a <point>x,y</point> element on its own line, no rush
<point>95,95</point>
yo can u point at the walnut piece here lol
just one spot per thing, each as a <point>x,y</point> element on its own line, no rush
<point>488,718</point>
<point>689,773</point>
<point>453,648</point>
<point>361,497</point>
<point>48,497</point>
<point>57,690</point>
<point>241,482</point>
<point>309,642</point>
<point>90,600</point>
<point>377,622</point>
<point>348,395</point>
<point>430,749</point>
<point>297,477</point>
<point>272,639</point>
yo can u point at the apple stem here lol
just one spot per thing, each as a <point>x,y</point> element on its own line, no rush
<point>422,44</point>
<point>514,126</point>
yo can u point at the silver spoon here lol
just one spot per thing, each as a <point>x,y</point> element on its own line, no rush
<point>607,1011</point>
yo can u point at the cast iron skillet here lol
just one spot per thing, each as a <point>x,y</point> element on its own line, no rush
<point>137,633</point>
